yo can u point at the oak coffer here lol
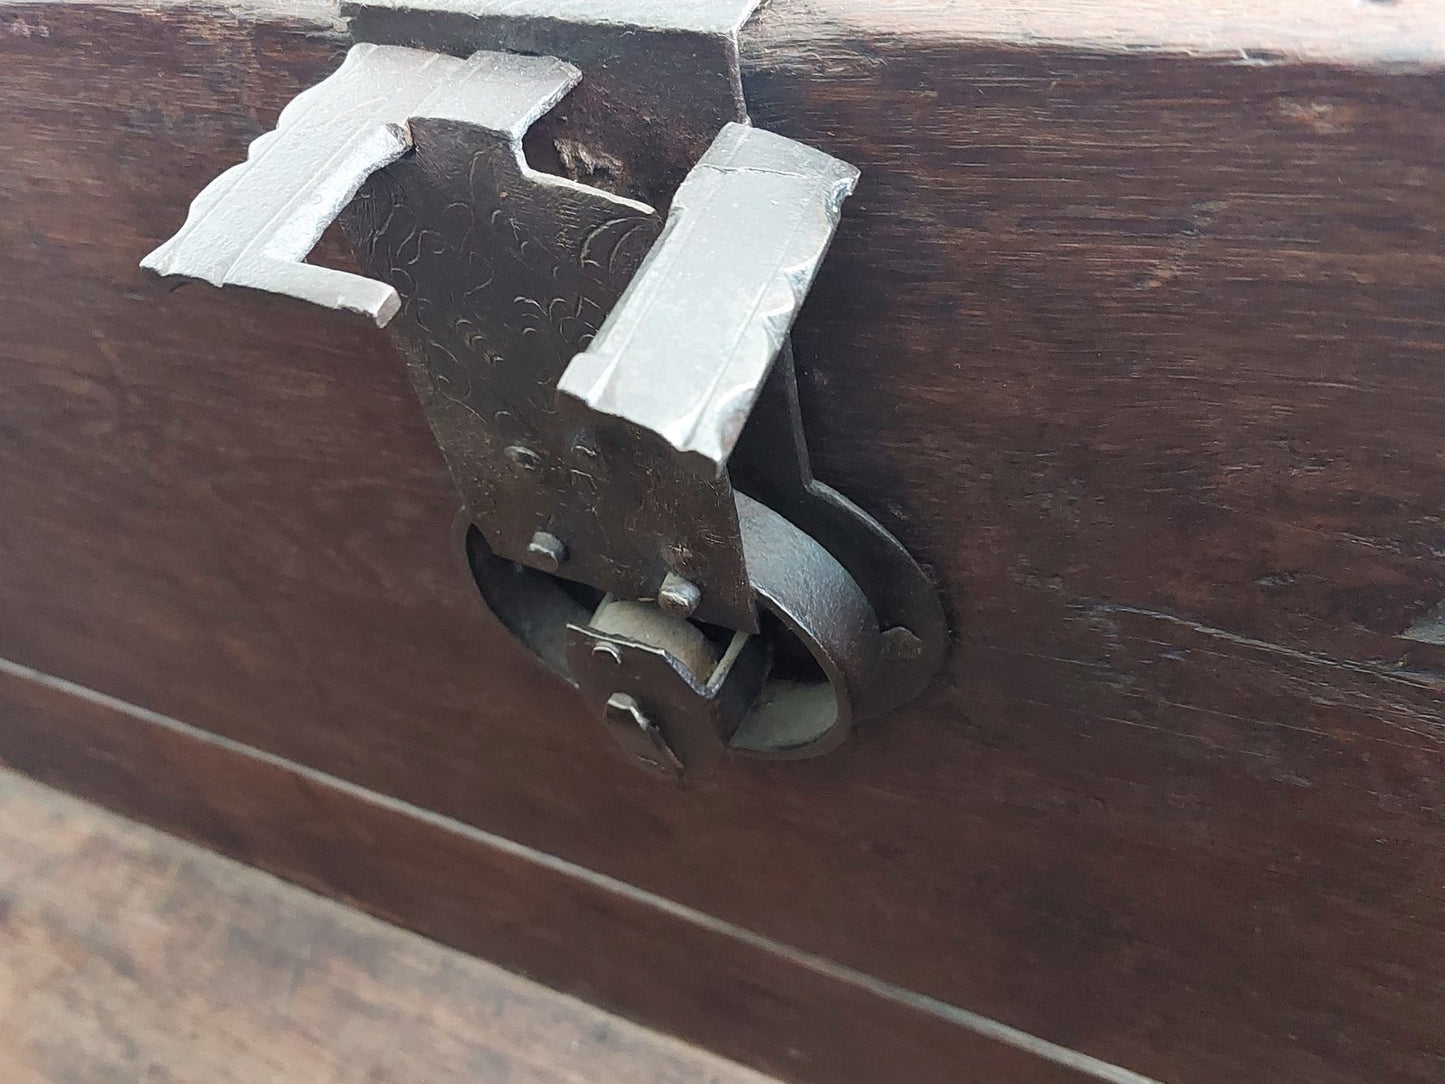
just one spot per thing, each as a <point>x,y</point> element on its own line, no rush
<point>897,540</point>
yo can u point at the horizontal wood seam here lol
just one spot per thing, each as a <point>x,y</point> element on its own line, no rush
<point>912,999</point>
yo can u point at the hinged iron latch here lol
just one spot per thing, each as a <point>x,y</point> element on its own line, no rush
<point>612,386</point>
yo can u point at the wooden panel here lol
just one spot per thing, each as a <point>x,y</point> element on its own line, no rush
<point>1156,330</point>
<point>1134,340</point>
<point>770,1005</point>
<point>130,955</point>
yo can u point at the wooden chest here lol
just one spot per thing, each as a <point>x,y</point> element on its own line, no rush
<point>1132,333</point>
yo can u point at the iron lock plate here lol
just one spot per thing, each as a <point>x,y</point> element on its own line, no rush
<point>606,381</point>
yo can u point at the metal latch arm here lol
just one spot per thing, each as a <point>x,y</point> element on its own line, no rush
<point>255,224</point>
<point>686,352</point>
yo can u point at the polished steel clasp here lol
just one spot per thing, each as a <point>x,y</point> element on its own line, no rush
<point>612,386</point>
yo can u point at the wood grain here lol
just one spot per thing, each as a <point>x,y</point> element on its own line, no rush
<point>802,1017</point>
<point>1138,347</point>
<point>129,955</point>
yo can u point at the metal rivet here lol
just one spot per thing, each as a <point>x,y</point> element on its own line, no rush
<point>608,653</point>
<point>548,552</point>
<point>640,736</point>
<point>678,597</point>
<point>622,707</point>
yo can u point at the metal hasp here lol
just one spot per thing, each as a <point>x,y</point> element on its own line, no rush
<point>611,386</point>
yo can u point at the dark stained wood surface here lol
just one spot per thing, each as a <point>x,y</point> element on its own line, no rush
<point>127,955</point>
<point>605,941</point>
<point>1133,336</point>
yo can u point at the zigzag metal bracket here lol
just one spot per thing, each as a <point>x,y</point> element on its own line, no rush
<point>605,383</point>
